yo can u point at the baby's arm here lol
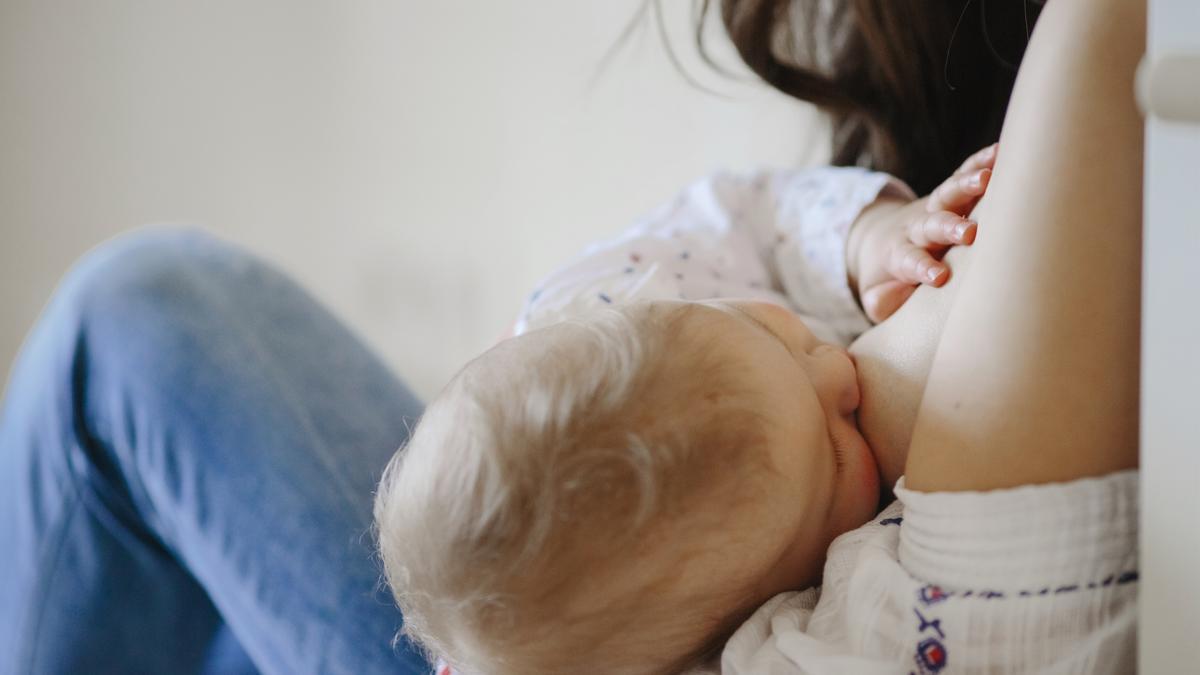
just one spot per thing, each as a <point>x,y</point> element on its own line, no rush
<point>896,245</point>
<point>777,236</point>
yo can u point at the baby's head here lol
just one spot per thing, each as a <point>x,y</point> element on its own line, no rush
<point>616,493</point>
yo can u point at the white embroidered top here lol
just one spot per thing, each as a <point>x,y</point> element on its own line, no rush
<point>1036,579</point>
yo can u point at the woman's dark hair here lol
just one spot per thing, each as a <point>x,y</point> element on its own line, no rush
<point>912,86</point>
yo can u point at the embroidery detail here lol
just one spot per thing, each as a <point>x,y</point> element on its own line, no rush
<point>892,521</point>
<point>931,656</point>
<point>931,595</point>
<point>935,624</point>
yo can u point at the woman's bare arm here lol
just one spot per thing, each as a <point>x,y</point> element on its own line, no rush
<point>1036,376</point>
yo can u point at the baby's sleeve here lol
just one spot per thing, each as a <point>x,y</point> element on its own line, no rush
<point>811,214</point>
<point>778,236</point>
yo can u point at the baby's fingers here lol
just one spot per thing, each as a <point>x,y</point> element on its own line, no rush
<point>982,159</point>
<point>941,229</point>
<point>960,192</point>
<point>882,300</point>
<point>914,265</point>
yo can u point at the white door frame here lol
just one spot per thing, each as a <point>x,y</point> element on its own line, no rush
<point>1169,622</point>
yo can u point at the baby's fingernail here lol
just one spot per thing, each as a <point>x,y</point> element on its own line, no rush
<point>960,230</point>
<point>932,273</point>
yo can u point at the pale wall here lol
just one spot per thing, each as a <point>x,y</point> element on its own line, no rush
<point>418,165</point>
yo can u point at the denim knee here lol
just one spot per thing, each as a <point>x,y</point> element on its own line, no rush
<point>145,271</point>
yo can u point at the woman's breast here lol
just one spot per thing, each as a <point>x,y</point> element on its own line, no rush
<point>893,361</point>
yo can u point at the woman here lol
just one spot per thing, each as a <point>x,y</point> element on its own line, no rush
<point>178,431</point>
<point>1031,384</point>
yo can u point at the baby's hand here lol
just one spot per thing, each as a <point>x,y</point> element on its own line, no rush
<point>895,246</point>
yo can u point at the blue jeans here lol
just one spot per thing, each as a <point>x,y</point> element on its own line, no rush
<point>189,449</point>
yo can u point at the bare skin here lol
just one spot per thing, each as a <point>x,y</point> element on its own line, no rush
<point>1031,350</point>
<point>893,361</point>
<point>1036,376</point>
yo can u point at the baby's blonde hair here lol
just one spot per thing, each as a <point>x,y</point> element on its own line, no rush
<point>523,528</point>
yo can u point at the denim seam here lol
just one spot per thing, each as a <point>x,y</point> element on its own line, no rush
<point>255,344</point>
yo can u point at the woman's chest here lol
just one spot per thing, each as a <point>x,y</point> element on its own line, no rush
<point>893,361</point>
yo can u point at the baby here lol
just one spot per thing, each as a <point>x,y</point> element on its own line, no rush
<point>619,486</point>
